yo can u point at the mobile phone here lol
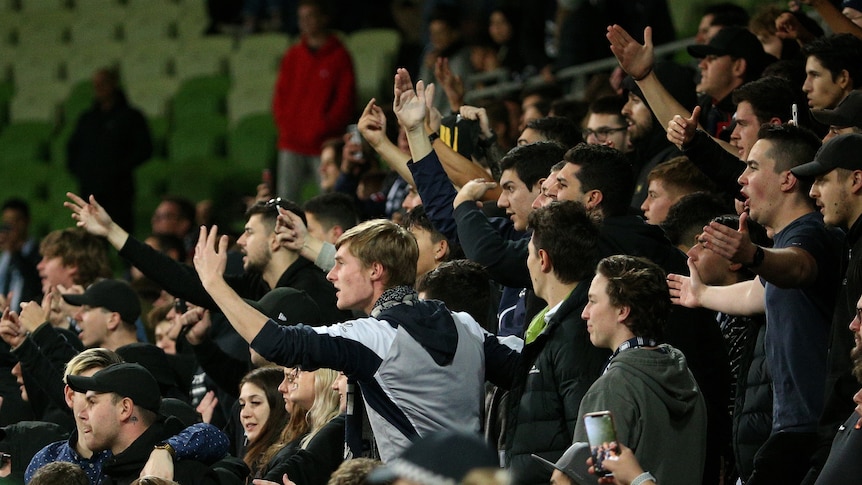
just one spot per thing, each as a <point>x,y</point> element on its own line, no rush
<point>603,440</point>
<point>180,306</point>
<point>794,112</point>
<point>5,459</point>
<point>355,138</point>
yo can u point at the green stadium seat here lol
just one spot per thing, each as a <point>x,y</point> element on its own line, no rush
<point>252,142</point>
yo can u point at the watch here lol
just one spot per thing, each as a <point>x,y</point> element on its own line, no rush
<point>643,477</point>
<point>759,254</point>
<point>167,446</point>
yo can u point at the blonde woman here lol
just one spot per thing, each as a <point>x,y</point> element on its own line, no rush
<point>321,451</point>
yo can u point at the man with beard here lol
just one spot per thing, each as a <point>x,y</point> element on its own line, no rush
<point>796,288</point>
<point>267,263</point>
<point>843,465</point>
<point>837,189</point>
<point>646,131</point>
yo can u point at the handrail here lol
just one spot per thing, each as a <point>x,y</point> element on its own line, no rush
<point>576,75</point>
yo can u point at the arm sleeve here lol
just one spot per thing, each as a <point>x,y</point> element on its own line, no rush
<point>326,257</point>
<point>43,356</point>
<point>501,362</point>
<point>506,260</point>
<point>715,162</point>
<point>200,442</point>
<point>437,193</point>
<point>176,278</point>
<point>354,347</point>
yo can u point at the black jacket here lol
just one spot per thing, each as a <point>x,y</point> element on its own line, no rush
<point>125,467</point>
<point>752,410</point>
<point>721,166</point>
<point>547,381</point>
<point>182,281</point>
<point>314,464</point>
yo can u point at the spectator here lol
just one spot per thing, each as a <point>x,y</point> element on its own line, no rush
<point>834,68</point>
<point>844,118</point>
<point>266,264</point>
<point>314,98</point>
<point>606,125</point>
<point>834,189</point>
<point>548,378</point>
<point>717,16</point>
<point>668,183</point>
<point>19,277</point>
<point>797,287</point>
<point>110,140</point>
<point>656,403</point>
<point>376,268</point>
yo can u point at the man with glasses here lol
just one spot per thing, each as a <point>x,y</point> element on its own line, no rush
<point>266,263</point>
<point>606,124</point>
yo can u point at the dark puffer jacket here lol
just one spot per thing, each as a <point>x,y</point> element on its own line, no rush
<point>752,411</point>
<point>547,381</point>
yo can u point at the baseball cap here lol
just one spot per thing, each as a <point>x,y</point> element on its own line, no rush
<point>113,295</point>
<point>739,42</point>
<point>848,112</point>
<point>732,40</point>
<point>441,458</point>
<point>127,380</point>
<point>854,4</point>
<point>573,463</point>
<point>839,152</point>
<point>288,306</point>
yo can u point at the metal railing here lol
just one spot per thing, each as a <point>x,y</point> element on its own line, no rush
<point>575,77</point>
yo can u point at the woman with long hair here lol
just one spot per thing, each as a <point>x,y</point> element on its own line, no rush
<point>262,414</point>
<point>321,450</point>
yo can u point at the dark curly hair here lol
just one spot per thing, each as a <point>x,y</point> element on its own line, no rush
<point>641,285</point>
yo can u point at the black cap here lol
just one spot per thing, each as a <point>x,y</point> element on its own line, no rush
<point>736,41</point>
<point>441,458</point>
<point>839,152</point>
<point>154,360</point>
<point>288,306</point>
<point>848,112</point>
<point>113,295</point>
<point>573,464</point>
<point>732,40</point>
<point>127,380</point>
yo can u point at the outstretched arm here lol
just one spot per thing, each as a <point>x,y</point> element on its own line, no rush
<point>744,298</point>
<point>210,263</point>
<point>833,17</point>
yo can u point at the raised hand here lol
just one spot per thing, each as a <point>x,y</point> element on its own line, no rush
<point>90,215</point>
<point>685,290</point>
<point>372,124</point>
<point>209,261</point>
<point>681,130</point>
<point>480,115</point>
<point>734,245</point>
<point>290,231</point>
<point>11,330</point>
<point>452,84</point>
<point>409,104</point>
<point>33,314</point>
<point>636,59</point>
<point>207,406</point>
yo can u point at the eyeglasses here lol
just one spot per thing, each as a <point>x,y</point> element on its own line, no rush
<point>602,133</point>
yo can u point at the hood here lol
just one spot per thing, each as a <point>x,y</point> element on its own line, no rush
<point>666,374</point>
<point>430,323</point>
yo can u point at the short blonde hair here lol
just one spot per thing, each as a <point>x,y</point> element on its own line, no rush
<point>385,242</point>
<point>91,359</point>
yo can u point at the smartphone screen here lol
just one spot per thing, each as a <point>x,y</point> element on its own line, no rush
<point>603,440</point>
